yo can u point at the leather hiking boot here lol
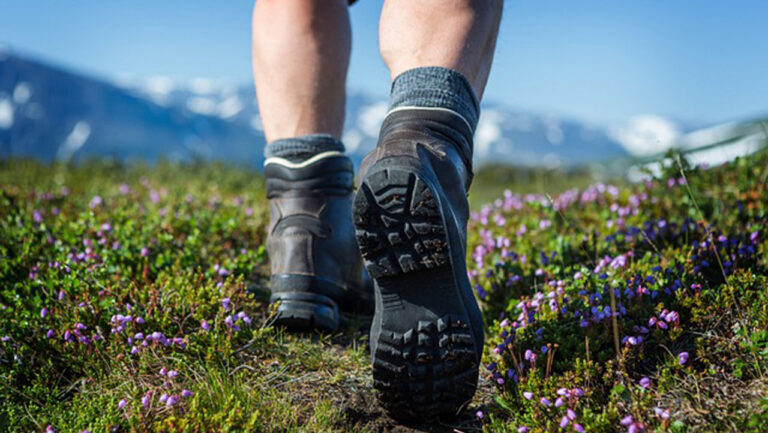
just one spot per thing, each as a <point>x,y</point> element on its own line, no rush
<point>316,266</point>
<point>410,215</point>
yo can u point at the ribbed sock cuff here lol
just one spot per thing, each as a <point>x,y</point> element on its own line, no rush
<point>436,87</point>
<point>303,147</point>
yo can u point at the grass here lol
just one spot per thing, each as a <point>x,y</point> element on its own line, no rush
<point>93,255</point>
<point>490,181</point>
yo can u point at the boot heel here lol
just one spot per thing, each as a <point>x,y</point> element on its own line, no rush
<point>305,311</point>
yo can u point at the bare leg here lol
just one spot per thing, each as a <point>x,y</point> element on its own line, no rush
<point>300,59</point>
<point>454,34</point>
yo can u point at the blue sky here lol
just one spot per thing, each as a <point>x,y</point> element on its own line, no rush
<point>597,60</point>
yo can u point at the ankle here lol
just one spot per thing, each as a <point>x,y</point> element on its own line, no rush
<point>303,147</point>
<point>438,88</point>
<point>437,104</point>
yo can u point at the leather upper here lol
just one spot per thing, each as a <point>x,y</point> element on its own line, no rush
<point>311,232</point>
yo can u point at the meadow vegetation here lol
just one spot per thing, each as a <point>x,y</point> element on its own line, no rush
<point>134,298</point>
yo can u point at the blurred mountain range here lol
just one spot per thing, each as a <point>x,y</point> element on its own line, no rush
<point>50,113</point>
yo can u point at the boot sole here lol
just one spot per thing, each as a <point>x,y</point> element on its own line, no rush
<point>302,311</point>
<point>307,303</point>
<point>425,354</point>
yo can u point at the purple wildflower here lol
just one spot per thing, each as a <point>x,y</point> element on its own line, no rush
<point>95,202</point>
<point>204,324</point>
<point>618,262</point>
<point>225,304</point>
<point>186,393</point>
<point>545,402</point>
<point>479,414</point>
<point>121,404</point>
<point>645,382</point>
<point>528,395</point>
<point>682,358</point>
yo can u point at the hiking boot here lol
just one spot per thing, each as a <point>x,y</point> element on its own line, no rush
<point>316,266</point>
<point>410,215</point>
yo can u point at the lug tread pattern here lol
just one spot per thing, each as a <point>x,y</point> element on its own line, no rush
<point>427,371</point>
<point>430,369</point>
<point>398,225</point>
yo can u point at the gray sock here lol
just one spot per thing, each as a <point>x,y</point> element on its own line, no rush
<point>436,87</point>
<point>297,149</point>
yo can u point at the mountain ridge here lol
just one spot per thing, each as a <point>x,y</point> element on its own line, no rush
<point>51,113</point>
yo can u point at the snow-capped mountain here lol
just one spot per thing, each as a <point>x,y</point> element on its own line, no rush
<point>50,113</point>
<point>503,135</point>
